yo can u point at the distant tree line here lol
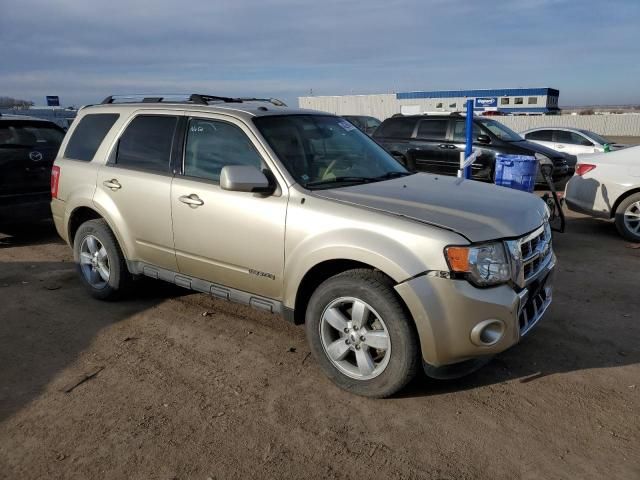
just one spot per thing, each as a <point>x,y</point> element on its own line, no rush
<point>8,102</point>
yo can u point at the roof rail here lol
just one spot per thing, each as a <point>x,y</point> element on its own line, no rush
<point>196,98</point>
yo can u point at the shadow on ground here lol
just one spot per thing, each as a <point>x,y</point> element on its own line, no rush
<point>47,318</point>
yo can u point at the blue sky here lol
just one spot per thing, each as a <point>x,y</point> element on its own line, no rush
<point>85,50</point>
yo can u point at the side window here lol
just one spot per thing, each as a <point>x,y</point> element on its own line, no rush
<point>572,138</point>
<point>541,135</point>
<point>397,128</point>
<point>433,129</point>
<point>532,100</point>
<point>504,101</point>
<point>146,143</point>
<point>518,101</point>
<point>460,131</point>
<point>212,144</point>
<point>88,135</point>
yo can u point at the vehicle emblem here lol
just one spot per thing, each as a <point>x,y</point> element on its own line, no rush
<point>35,156</point>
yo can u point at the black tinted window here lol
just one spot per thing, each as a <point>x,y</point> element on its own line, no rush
<point>212,145</point>
<point>434,129</point>
<point>88,135</point>
<point>146,143</point>
<point>541,135</point>
<point>29,134</point>
<point>571,138</point>
<point>460,131</point>
<point>396,128</point>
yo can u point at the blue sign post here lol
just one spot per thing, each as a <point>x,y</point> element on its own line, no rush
<point>469,137</point>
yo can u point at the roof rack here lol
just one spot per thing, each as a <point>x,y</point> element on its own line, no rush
<point>195,98</point>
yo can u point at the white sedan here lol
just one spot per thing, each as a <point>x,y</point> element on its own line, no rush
<point>607,185</point>
<point>574,141</point>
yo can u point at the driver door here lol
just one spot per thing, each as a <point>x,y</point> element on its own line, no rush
<point>231,238</point>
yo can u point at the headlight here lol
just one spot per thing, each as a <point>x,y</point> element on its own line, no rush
<point>483,265</point>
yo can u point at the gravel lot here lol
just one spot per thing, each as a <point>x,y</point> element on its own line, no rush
<point>192,388</point>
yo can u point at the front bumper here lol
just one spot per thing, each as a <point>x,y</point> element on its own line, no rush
<point>447,311</point>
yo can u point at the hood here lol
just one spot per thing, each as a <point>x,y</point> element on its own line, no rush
<point>478,211</point>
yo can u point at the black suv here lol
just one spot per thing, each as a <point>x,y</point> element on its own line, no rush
<point>28,147</point>
<point>364,123</point>
<point>432,143</point>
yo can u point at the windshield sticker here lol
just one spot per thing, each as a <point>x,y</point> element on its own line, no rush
<point>346,125</point>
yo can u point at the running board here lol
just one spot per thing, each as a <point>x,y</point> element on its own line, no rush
<point>215,290</point>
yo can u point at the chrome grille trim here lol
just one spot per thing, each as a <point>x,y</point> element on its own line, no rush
<point>532,309</point>
<point>530,255</point>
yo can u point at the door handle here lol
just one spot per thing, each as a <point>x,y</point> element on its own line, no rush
<point>446,145</point>
<point>192,200</point>
<point>113,184</point>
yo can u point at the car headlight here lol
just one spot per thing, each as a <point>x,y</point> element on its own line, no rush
<point>483,265</point>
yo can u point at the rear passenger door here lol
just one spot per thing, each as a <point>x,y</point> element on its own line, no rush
<point>231,238</point>
<point>134,187</point>
<point>395,135</point>
<point>431,150</point>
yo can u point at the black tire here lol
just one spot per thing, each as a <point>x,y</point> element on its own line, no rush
<point>619,218</point>
<point>376,290</point>
<point>120,278</point>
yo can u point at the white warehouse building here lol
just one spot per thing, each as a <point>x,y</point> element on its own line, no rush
<point>519,101</point>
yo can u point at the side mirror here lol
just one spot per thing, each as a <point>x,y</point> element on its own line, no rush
<point>244,178</point>
<point>484,139</point>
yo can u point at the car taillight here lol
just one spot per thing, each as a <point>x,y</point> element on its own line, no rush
<point>583,168</point>
<point>55,178</point>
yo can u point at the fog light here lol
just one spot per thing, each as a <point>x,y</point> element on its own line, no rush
<point>487,332</point>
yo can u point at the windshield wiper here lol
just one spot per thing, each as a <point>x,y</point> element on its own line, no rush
<point>390,175</point>
<point>343,179</point>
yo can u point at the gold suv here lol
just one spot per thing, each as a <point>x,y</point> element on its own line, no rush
<point>299,213</point>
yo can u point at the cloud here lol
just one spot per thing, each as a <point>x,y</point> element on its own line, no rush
<point>85,50</point>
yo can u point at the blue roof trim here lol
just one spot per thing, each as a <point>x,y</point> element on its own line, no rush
<point>502,92</point>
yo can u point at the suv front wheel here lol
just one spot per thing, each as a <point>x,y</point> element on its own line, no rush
<point>360,334</point>
<point>100,261</point>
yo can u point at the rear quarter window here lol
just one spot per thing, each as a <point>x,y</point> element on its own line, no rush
<point>88,135</point>
<point>396,128</point>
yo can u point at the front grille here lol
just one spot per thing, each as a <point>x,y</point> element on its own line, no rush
<point>533,307</point>
<point>531,254</point>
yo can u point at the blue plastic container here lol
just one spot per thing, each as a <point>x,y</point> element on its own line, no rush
<point>516,171</point>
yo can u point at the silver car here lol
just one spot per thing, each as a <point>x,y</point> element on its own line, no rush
<point>299,213</point>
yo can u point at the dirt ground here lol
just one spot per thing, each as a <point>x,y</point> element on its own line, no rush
<point>193,388</point>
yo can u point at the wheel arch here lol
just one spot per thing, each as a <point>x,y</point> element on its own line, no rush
<point>82,214</point>
<point>621,199</point>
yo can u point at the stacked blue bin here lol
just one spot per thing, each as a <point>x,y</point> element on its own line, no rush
<point>516,171</point>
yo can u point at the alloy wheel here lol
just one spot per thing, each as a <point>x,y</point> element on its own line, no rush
<point>355,338</point>
<point>94,262</point>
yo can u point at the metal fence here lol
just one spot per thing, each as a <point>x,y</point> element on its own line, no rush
<point>614,125</point>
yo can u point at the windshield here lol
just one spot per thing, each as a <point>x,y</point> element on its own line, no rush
<point>27,134</point>
<point>596,137</point>
<point>323,151</point>
<point>501,131</point>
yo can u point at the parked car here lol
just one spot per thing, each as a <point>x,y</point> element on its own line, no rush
<point>607,185</point>
<point>574,141</point>
<point>432,143</point>
<point>299,213</point>
<point>365,123</point>
<point>28,147</point>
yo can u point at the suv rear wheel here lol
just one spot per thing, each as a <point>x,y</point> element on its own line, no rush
<point>100,261</point>
<point>360,334</point>
<point>628,218</point>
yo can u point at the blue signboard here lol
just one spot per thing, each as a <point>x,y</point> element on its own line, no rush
<point>53,101</point>
<point>486,102</point>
